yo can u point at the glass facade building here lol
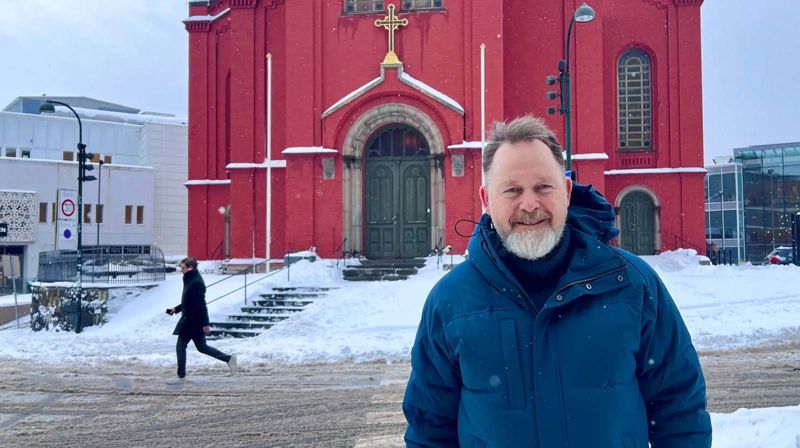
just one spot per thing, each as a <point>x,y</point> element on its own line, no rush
<point>725,214</point>
<point>771,186</point>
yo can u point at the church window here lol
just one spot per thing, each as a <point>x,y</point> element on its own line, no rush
<point>634,101</point>
<point>397,141</point>
<point>363,6</point>
<point>422,4</point>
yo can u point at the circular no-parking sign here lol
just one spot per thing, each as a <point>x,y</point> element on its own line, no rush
<point>67,207</point>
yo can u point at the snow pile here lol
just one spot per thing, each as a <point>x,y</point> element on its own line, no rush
<point>676,260</point>
<point>757,428</point>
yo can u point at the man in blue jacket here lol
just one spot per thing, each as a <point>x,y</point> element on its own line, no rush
<point>547,336</point>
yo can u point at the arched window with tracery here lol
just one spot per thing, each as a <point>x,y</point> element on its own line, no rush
<point>634,101</point>
<point>398,141</point>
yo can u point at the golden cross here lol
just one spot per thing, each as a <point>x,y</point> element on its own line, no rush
<point>391,23</point>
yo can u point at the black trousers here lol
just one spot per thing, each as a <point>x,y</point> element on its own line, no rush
<point>199,340</point>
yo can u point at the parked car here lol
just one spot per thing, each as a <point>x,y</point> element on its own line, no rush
<point>780,255</point>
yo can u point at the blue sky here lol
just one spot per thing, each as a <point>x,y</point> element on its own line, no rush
<point>136,52</point>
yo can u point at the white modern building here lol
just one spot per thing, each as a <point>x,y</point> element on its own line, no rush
<point>141,200</point>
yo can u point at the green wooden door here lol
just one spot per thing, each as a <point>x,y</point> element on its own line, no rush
<point>637,217</point>
<point>415,208</point>
<point>397,207</point>
<point>381,208</point>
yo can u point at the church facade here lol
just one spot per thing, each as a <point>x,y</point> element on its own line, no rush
<point>365,117</point>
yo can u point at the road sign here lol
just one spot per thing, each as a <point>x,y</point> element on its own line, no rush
<point>67,200</point>
<point>66,234</point>
<point>11,266</point>
<point>68,207</point>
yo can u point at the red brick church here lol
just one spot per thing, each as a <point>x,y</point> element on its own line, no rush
<point>376,113</point>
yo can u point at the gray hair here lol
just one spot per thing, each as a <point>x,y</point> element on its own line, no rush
<point>522,129</point>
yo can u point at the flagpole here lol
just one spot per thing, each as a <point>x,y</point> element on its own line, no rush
<point>483,107</point>
<point>269,160</point>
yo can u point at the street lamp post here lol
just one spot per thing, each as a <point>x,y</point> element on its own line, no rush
<point>83,167</point>
<point>99,180</point>
<point>722,224</point>
<point>583,14</point>
<point>771,209</point>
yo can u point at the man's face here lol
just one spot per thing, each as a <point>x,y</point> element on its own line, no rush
<point>185,268</point>
<point>527,197</point>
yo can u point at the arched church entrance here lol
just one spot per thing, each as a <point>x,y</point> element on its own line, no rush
<point>392,170</point>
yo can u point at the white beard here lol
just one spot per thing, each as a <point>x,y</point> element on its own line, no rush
<point>532,244</point>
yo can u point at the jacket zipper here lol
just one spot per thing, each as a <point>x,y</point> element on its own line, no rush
<point>557,364</point>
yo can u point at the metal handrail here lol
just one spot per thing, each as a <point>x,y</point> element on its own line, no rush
<point>336,251</point>
<point>218,249</point>
<point>268,274</point>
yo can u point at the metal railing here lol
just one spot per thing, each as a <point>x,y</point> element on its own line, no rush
<point>105,264</point>
<point>244,271</point>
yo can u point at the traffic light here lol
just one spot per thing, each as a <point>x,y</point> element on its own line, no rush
<point>552,95</point>
<point>83,164</point>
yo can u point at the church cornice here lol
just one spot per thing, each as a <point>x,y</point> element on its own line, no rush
<point>242,4</point>
<point>202,23</point>
<point>657,3</point>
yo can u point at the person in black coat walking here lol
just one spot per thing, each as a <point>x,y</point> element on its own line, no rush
<point>193,324</point>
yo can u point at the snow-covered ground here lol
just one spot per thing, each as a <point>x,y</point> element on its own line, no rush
<point>724,307</point>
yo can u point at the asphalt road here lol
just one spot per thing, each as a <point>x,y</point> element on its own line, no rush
<point>340,405</point>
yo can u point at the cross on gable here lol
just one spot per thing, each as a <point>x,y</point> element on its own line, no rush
<point>391,23</point>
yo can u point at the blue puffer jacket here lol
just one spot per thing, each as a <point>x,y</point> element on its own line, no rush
<point>606,363</point>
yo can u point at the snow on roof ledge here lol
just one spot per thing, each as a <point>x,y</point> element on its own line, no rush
<point>207,18</point>
<point>309,150</point>
<point>264,164</point>
<point>655,171</point>
<point>120,117</point>
<point>207,182</point>
<point>405,79</point>
<point>589,156</point>
<point>354,94</point>
<point>430,91</point>
<point>466,144</point>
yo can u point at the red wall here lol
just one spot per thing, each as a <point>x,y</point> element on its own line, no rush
<point>321,55</point>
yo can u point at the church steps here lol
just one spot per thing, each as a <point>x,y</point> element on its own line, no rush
<point>383,270</point>
<point>266,311</point>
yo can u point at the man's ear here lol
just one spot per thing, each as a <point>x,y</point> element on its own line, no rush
<point>484,192</point>
<point>568,186</point>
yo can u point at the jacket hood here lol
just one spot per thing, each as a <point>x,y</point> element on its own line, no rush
<point>591,213</point>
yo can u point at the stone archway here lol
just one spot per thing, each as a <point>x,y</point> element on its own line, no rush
<point>353,174</point>
<point>639,220</point>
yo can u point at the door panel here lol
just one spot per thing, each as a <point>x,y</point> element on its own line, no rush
<point>381,207</point>
<point>398,207</point>
<point>637,218</point>
<point>416,205</point>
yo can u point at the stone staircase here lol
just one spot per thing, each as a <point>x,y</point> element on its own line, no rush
<point>260,314</point>
<point>383,270</point>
